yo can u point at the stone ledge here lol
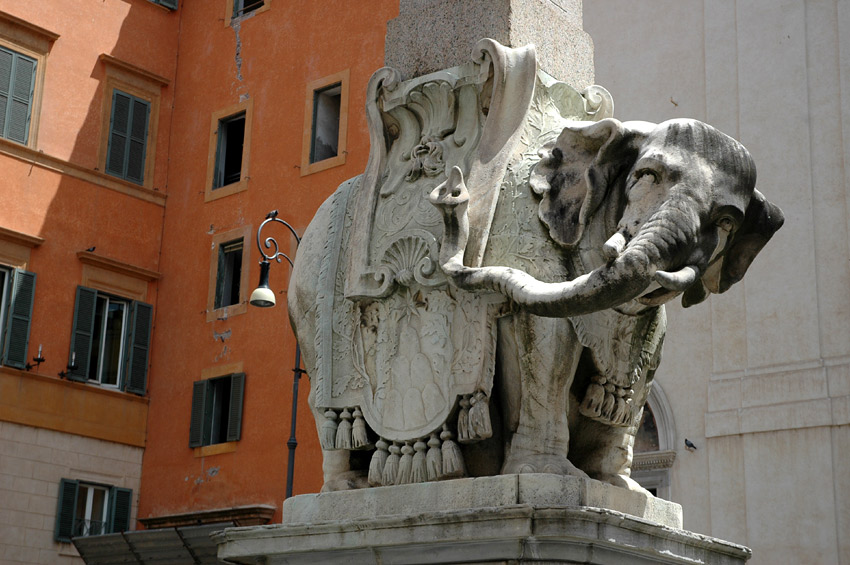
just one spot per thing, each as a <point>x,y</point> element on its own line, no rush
<point>525,533</point>
<point>474,493</point>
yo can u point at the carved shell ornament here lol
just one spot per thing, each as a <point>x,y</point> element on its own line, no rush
<point>408,259</point>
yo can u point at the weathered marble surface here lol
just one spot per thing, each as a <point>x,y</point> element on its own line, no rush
<point>506,519</point>
<point>429,294</point>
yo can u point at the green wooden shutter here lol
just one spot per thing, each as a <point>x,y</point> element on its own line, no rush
<point>196,423</point>
<point>128,131</point>
<point>17,86</point>
<point>237,394</point>
<point>65,510</point>
<point>168,3</point>
<point>18,322</point>
<point>139,347</point>
<point>81,335</point>
<point>120,502</point>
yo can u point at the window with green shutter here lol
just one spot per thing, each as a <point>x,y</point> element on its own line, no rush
<point>17,88</point>
<point>170,4</point>
<point>217,410</point>
<point>89,509</point>
<point>110,341</point>
<point>128,133</point>
<point>17,293</point>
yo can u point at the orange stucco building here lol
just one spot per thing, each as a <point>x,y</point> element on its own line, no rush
<point>142,143</point>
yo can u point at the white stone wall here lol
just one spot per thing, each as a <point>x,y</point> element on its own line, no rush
<point>32,461</point>
<point>758,378</point>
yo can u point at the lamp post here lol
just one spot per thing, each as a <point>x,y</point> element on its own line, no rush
<point>264,297</point>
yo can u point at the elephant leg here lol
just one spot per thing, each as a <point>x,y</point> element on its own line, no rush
<point>537,359</point>
<point>603,451</point>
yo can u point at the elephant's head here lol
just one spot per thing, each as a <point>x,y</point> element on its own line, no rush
<point>676,202</point>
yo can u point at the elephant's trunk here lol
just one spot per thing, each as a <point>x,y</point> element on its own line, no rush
<point>662,240</point>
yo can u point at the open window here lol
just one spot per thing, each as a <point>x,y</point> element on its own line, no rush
<point>217,410</point>
<point>325,123</point>
<point>228,282</point>
<point>229,151</point>
<point>91,509</point>
<point>17,293</point>
<point>110,341</point>
<point>229,277</point>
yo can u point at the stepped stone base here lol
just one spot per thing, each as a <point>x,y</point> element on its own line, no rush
<point>504,519</point>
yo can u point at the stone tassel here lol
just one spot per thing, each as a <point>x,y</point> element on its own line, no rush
<point>479,417</point>
<point>608,403</point>
<point>391,468</point>
<point>376,465</point>
<point>329,427</point>
<point>452,457</point>
<point>419,474</point>
<point>405,466</point>
<point>359,437</point>
<point>434,459</point>
<point>343,431</point>
<point>463,420</point>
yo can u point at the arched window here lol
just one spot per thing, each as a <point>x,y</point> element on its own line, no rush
<point>653,450</point>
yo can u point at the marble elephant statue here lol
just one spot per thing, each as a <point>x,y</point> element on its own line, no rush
<point>639,213</point>
<point>488,296</point>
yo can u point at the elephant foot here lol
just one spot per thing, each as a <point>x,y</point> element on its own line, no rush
<point>348,480</point>
<point>623,481</point>
<point>541,463</point>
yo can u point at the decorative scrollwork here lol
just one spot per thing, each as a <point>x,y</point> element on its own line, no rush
<point>408,259</point>
<point>271,243</point>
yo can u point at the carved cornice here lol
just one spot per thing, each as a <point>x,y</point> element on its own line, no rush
<point>653,460</point>
<point>90,258</point>
<point>20,238</point>
<point>51,163</point>
<point>240,515</point>
<point>132,69</point>
<point>30,35</point>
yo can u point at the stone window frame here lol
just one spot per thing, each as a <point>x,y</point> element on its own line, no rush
<point>241,307</point>
<point>210,193</point>
<point>343,78</point>
<point>34,42</point>
<point>229,19</point>
<point>652,469</point>
<point>145,85</point>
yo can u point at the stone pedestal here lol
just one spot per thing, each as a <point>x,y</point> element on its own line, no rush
<point>431,35</point>
<point>503,519</point>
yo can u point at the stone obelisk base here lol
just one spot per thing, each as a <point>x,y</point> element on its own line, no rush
<point>505,519</point>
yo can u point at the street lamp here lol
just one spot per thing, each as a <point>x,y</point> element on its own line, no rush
<point>264,297</point>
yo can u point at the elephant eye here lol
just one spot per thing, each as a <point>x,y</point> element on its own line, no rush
<point>639,174</point>
<point>726,224</point>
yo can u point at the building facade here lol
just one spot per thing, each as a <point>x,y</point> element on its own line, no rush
<point>143,142</point>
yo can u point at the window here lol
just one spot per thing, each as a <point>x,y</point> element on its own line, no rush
<point>228,283</point>
<point>242,7</point>
<point>17,291</point>
<point>217,410</point>
<point>228,162</point>
<point>653,448</point>
<point>88,509</point>
<point>325,136</point>
<point>110,341</point>
<point>171,4</point>
<point>325,123</point>
<point>128,134</point>
<point>229,273</point>
<point>229,151</point>
<point>17,90</point>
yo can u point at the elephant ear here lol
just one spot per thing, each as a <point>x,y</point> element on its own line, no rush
<point>575,173</point>
<point>761,221</point>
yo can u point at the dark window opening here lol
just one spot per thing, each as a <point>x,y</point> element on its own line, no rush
<point>647,435</point>
<point>242,7</point>
<point>231,137</point>
<point>229,274</point>
<point>217,410</point>
<point>325,135</point>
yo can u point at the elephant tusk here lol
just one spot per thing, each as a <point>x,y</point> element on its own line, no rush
<point>678,281</point>
<point>612,248</point>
